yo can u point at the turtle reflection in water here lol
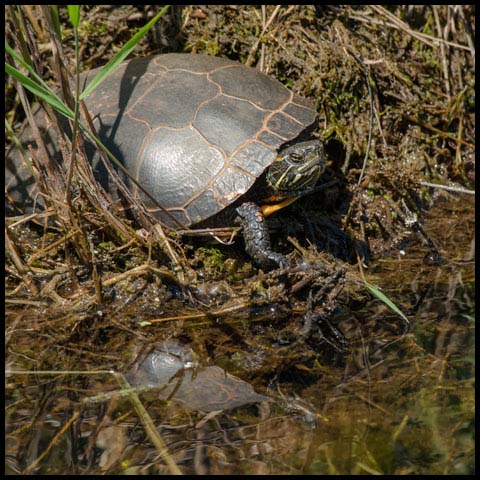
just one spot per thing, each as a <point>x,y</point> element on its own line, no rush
<point>170,369</point>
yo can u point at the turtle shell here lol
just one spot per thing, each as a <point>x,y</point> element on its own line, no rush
<point>195,131</point>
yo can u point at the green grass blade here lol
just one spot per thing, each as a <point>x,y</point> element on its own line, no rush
<point>383,298</point>
<point>74,14</point>
<point>9,50</point>
<point>38,90</point>
<point>56,21</point>
<point>121,55</point>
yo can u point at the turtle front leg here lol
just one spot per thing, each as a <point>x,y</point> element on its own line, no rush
<point>256,235</point>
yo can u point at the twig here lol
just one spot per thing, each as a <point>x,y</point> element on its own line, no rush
<point>449,188</point>
<point>372,115</point>
<point>19,265</point>
<point>149,425</point>
<point>97,279</point>
<point>39,254</point>
<point>215,313</point>
<point>180,268</point>
<point>140,270</point>
<point>54,441</point>
<point>32,17</point>
<point>259,39</point>
<point>423,37</point>
<point>451,136</point>
<point>468,33</point>
<point>442,52</point>
<point>262,51</point>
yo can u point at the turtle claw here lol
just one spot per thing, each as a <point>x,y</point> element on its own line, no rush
<point>280,260</point>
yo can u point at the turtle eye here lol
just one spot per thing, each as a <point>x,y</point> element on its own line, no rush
<point>296,157</point>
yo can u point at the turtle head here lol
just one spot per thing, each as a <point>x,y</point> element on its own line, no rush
<point>297,168</point>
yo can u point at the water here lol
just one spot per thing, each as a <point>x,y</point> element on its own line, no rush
<point>399,401</point>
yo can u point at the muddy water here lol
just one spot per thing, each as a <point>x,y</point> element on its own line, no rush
<point>400,400</point>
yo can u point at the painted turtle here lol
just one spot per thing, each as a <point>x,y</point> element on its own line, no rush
<point>201,134</point>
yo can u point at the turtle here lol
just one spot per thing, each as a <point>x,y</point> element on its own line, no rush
<point>207,137</point>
